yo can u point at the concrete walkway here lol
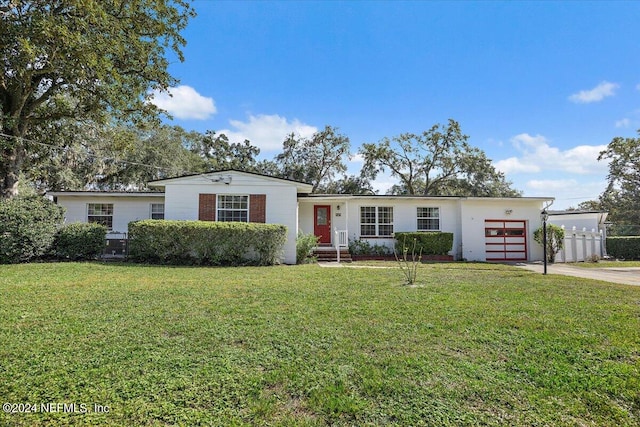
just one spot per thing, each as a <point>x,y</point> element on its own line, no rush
<point>623,275</point>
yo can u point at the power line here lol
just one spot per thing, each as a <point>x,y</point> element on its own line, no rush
<point>576,198</point>
<point>94,156</point>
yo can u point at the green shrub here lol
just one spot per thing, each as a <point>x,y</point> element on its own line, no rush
<point>627,247</point>
<point>427,243</point>
<point>205,242</point>
<point>28,227</point>
<point>304,247</point>
<point>555,240</point>
<point>363,247</point>
<point>80,241</point>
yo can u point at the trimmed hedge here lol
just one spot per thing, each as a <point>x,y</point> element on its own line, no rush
<point>430,242</point>
<point>624,247</point>
<point>206,242</point>
<point>28,227</point>
<point>80,241</point>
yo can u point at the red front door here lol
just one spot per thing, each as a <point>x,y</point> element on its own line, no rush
<point>322,223</point>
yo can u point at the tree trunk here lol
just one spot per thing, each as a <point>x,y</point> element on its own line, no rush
<point>10,166</point>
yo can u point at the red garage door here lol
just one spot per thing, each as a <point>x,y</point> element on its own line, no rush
<point>505,240</point>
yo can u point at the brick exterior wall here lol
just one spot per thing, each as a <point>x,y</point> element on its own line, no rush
<point>207,207</point>
<point>258,208</point>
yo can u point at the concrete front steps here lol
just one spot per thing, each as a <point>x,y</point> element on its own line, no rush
<point>329,254</point>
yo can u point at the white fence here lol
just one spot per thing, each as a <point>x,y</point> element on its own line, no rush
<point>581,245</point>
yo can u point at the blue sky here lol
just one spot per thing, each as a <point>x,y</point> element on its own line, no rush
<point>541,87</point>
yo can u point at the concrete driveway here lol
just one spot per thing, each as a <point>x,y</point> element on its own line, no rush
<point>623,275</point>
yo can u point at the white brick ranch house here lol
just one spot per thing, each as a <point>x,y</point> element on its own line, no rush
<point>484,229</point>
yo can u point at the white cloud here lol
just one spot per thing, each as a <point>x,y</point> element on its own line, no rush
<point>356,158</point>
<point>515,165</point>
<point>552,185</point>
<point>383,182</point>
<point>267,131</point>
<point>631,121</point>
<point>184,102</point>
<point>538,156</point>
<point>598,93</point>
<point>623,123</point>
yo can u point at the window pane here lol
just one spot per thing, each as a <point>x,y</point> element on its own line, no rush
<point>428,224</point>
<point>100,213</point>
<point>100,209</point>
<point>428,219</point>
<point>367,230</point>
<point>157,211</point>
<point>321,218</point>
<point>233,208</point>
<point>385,230</point>
<point>385,215</point>
<point>368,215</point>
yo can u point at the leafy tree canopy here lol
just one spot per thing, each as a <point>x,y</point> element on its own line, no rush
<point>437,162</point>
<point>587,205</point>
<point>95,60</point>
<point>622,196</point>
<point>316,160</point>
<point>348,184</point>
<point>109,157</point>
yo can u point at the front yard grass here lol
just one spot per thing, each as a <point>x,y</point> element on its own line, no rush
<point>475,344</point>
<point>606,264</point>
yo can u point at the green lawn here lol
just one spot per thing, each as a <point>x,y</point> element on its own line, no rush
<point>476,344</point>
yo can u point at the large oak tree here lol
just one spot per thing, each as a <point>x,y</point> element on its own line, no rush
<point>82,60</point>
<point>622,196</point>
<point>316,160</point>
<point>437,162</point>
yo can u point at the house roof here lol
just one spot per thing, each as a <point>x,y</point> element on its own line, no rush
<point>408,196</point>
<point>576,212</point>
<point>95,193</point>
<point>161,182</point>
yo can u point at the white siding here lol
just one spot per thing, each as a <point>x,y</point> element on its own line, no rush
<point>125,208</point>
<point>182,198</point>
<point>464,217</point>
<point>404,215</point>
<point>474,212</point>
<point>588,221</point>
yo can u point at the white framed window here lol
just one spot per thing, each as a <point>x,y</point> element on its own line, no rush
<point>101,213</point>
<point>428,219</point>
<point>376,221</point>
<point>232,208</point>
<point>157,211</point>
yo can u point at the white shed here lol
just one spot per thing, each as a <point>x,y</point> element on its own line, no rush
<point>585,234</point>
